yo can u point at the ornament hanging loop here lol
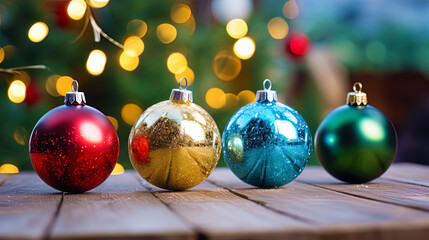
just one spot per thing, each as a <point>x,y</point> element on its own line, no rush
<point>75,97</point>
<point>266,95</point>
<point>357,87</point>
<point>265,84</point>
<point>180,83</point>
<point>357,98</point>
<point>77,86</point>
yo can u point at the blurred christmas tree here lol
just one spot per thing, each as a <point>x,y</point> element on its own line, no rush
<point>128,55</point>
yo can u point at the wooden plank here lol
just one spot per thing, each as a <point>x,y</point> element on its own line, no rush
<point>409,173</point>
<point>5,177</point>
<point>216,213</point>
<point>333,214</point>
<point>118,208</point>
<point>383,190</point>
<point>27,207</point>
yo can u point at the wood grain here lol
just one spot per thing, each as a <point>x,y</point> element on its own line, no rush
<point>383,190</point>
<point>333,214</point>
<point>119,208</point>
<point>216,213</point>
<point>27,207</point>
<point>409,173</point>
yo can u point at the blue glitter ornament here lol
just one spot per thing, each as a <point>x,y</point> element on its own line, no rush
<point>266,143</point>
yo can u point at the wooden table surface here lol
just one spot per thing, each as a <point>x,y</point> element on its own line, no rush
<point>315,206</point>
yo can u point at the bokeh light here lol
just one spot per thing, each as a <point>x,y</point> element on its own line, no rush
<point>216,98</point>
<point>191,25</point>
<point>98,3</point>
<point>20,135</point>
<point>114,122</point>
<point>127,62</point>
<point>76,9</point>
<point>96,62</point>
<point>231,101</point>
<point>133,46</point>
<point>188,74</point>
<point>130,113</point>
<point>51,85</point>
<point>118,169</point>
<point>176,63</point>
<point>38,32</point>
<point>166,33</point>
<point>244,48</point>
<point>226,65</point>
<point>64,84</point>
<point>16,91</point>
<point>278,28</point>
<point>291,10</point>
<point>180,13</point>
<point>236,28</point>
<point>137,28</point>
<point>8,168</point>
<point>1,54</point>
<point>246,96</point>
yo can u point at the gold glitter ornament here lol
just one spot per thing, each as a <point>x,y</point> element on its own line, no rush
<point>175,144</point>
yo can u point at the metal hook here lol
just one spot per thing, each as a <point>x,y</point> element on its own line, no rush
<point>77,86</point>
<point>264,83</point>
<point>180,83</point>
<point>357,87</point>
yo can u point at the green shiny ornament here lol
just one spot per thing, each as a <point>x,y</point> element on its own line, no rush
<point>356,143</point>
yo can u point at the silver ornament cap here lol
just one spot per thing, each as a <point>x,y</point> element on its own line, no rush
<point>266,95</point>
<point>181,95</point>
<point>75,97</point>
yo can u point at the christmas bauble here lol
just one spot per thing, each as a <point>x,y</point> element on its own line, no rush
<point>356,142</point>
<point>74,147</point>
<point>175,144</point>
<point>266,143</point>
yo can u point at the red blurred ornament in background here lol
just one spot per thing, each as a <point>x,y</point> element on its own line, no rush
<point>74,147</point>
<point>33,94</point>
<point>297,45</point>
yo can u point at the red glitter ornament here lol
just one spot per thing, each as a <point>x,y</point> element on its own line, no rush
<point>74,147</point>
<point>140,148</point>
<point>297,45</point>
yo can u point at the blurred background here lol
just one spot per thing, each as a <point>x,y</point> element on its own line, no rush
<point>128,55</point>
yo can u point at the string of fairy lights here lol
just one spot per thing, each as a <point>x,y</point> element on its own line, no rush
<point>226,65</point>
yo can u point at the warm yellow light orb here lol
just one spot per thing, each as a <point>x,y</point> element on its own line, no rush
<point>236,28</point>
<point>51,85</point>
<point>118,169</point>
<point>226,65</point>
<point>133,46</point>
<point>8,168</point>
<point>1,54</point>
<point>76,9</point>
<point>180,13</point>
<point>128,63</point>
<point>166,33</point>
<point>188,74</point>
<point>137,28</point>
<point>64,84</point>
<point>215,98</point>
<point>16,91</point>
<point>244,48</point>
<point>98,3</point>
<point>114,122</point>
<point>176,63</point>
<point>246,96</point>
<point>38,32</point>
<point>96,62</point>
<point>278,28</point>
<point>130,113</point>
